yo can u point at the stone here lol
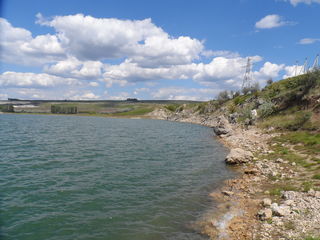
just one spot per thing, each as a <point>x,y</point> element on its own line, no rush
<point>279,160</point>
<point>223,127</point>
<point>280,210</point>
<point>266,202</point>
<point>227,193</point>
<point>238,156</point>
<point>252,171</point>
<point>265,214</point>
<point>289,202</point>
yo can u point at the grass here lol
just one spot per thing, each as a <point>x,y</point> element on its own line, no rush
<point>282,187</point>
<point>172,107</point>
<point>134,112</point>
<point>307,186</point>
<point>316,176</point>
<point>309,142</point>
<point>312,238</point>
<point>290,122</point>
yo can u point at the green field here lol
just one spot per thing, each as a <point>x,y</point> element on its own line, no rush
<point>101,108</point>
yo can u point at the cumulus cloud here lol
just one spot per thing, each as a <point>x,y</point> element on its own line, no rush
<point>85,51</point>
<point>18,79</point>
<point>296,2</point>
<point>72,67</point>
<point>18,46</point>
<point>271,21</point>
<point>85,96</point>
<point>306,41</point>
<point>141,41</point>
<point>294,70</point>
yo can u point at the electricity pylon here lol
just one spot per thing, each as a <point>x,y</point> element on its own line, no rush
<point>315,65</point>
<point>304,69</point>
<point>247,79</point>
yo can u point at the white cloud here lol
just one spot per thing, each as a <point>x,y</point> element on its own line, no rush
<point>271,70</point>
<point>271,21</point>
<point>292,71</point>
<point>85,96</point>
<point>141,41</point>
<point>72,67</point>
<point>120,96</point>
<point>18,79</point>
<point>93,84</point>
<point>220,53</point>
<point>19,47</point>
<point>305,41</point>
<point>141,90</point>
<point>220,68</point>
<point>296,2</point>
<point>179,93</point>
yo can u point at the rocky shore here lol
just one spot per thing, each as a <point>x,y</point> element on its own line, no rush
<point>247,207</point>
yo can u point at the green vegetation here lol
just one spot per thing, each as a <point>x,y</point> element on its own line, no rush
<point>292,121</point>
<point>134,112</point>
<point>316,176</point>
<point>282,187</point>
<point>172,107</point>
<point>312,238</point>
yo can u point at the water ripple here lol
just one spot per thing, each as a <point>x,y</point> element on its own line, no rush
<point>93,178</point>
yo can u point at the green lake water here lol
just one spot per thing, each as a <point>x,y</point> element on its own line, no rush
<point>69,177</point>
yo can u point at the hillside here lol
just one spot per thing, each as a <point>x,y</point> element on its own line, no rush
<point>280,126</point>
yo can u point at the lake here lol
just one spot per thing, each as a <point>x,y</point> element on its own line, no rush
<point>75,177</point>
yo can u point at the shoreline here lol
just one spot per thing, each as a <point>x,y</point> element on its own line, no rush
<point>246,209</point>
<point>248,206</point>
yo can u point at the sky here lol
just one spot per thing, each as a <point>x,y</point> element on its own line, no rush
<point>168,49</point>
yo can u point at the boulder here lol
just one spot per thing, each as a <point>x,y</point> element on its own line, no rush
<point>223,127</point>
<point>265,214</point>
<point>238,156</point>
<point>280,211</point>
<point>266,202</point>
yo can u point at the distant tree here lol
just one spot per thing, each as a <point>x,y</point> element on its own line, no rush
<point>252,89</point>
<point>236,94</point>
<point>223,95</point>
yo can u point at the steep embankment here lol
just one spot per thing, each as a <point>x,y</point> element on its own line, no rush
<point>274,140</point>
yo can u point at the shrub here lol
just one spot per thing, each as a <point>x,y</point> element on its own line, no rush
<point>223,96</point>
<point>266,109</point>
<point>240,99</point>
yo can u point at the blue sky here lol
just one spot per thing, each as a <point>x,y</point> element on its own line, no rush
<point>179,49</point>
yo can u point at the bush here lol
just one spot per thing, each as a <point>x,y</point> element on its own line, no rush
<point>172,107</point>
<point>240,99</point>
<point>266,109</point>
<point>223,96</point>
